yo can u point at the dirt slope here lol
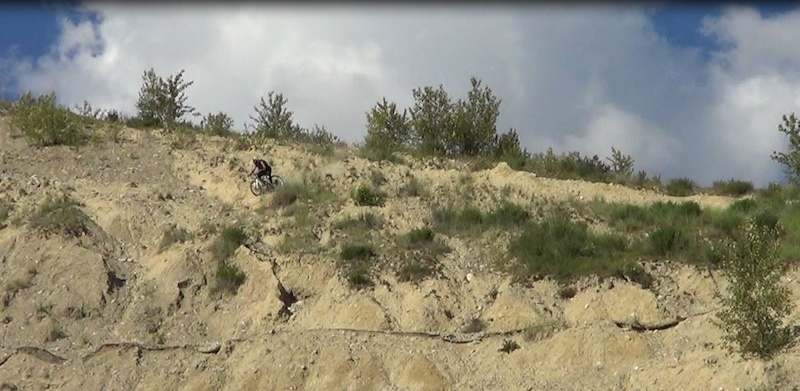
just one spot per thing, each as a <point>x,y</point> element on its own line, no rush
<point>111,311</point>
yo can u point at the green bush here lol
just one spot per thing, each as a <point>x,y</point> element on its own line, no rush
<point>757,302</point>
<point>59,215</point>
<point>745,205</point>
<point>732,187</point>
<point>173,234</point>
<point>508,214</point>
<point>563,248</point>
<point>229,278</point>
<point>388,130</point>
<point>791,158</point>
<point>420,235</point>
<point>309,189</point>
<point>359,252</point>
<point>636,273</point>
<point>426,250</point>
<point>369,196</point>
<point>227,243</point>
<point>219,124</point>
<point>356,260</point>
<point>667,240</point>
<point>680,187</point>
<point>163,102</point>
<point>6,207</point>
<point>290,193</point>
<point>46,123</point>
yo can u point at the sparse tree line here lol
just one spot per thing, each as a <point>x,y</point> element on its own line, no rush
<point>434,125</point>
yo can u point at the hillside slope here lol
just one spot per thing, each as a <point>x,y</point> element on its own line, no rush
<point>110,308</point>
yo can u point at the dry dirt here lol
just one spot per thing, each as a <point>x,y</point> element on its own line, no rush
<point>109,311</point>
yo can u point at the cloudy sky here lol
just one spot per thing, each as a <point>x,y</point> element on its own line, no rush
<point>693,91</point>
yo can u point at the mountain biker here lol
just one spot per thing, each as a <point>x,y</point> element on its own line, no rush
<point>262,169</point>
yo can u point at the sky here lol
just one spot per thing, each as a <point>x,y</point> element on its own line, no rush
<point>692,91</point>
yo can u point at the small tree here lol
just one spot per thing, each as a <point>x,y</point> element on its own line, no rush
<point>432,120</point>
<point>387,128</point>
<point>163,102</point>
<point>757,303</point>
<point>621,164</point>
<point>507,148</point>
<point>790,159</point>
<point>273,119</point>
<point>475,122</point>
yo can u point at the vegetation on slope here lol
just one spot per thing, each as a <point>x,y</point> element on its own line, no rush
<point>566,241</point>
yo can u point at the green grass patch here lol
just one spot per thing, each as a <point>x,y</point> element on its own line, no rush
<point>366,195</point>
<point>310,189</point>
<point>470,220</point>
<point>59,215</point>
<point>562,248</point>
<point>229,278</point>
<point>420,254</point>
<point>173,234</point>
<point>414,188</point>
<point>357,261</point>
<point>6,207</point>
<point>732,187</point>
<point>227,242</point>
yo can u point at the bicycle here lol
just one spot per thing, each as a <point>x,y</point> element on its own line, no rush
<point>258,186</point>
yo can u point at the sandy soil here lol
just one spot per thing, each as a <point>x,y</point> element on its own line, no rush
<point>112,311</point>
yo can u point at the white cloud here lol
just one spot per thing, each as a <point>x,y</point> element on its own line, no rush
<point>584,78</point>
<point>612,127</point>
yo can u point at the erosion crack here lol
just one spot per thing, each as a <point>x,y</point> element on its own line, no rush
<point>667,324</point>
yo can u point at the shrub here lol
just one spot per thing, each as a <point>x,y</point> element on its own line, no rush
<point>364,221</point>
<point>424,261</point>
<point>227,242</point>
<point>635,273</point>
<point>219,124</point>
<point>754,310</point>
<point>173,234</point>
<point>450,219</point>
<point>290,193</point>
<point>163,102</point>
<point>416,270</point>
<point>570,166</point>
<point>508,214</point>
<point>45,123</point>
<point>358,252</point>
<point>368,196</point>
<point>420,235</point>
<point>309,189</point>
<point>667,240</point>
<point>59,215</point>
<point>680,187</point>
<point>6,206</point>
<point>388,130</point>
<point>732,187</point>
<point>356,261</point>
<point>474,325</point>
<point>745,205</point>
<point>621,164</point>
<point>229,278</point>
